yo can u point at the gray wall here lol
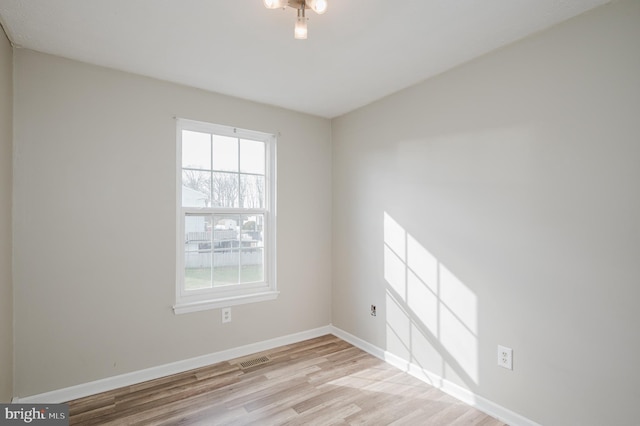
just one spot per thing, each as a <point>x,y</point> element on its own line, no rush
<point>94,224</point>
<point>499,203</point>
<point>6,295</point>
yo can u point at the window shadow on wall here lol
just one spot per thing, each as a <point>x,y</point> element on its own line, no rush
<point>431,315</point>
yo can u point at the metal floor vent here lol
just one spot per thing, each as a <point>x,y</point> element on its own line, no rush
<point>253,362</point>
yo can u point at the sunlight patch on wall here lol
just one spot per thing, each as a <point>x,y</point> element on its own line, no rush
<point>398,328</point>
<point>395,272</point>
<point>431,315</point>
<point>458,321</point>
<point>395,237</point>
<point>425,354</point>
<point>422,284</point>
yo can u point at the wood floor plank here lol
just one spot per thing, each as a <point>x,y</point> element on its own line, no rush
<point>321,381</point>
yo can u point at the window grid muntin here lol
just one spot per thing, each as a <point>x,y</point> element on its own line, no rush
<point>237,174</point>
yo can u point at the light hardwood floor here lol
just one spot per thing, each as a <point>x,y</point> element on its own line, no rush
<point>322,381</point>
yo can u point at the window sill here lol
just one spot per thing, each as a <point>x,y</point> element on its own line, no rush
<point>183,308</point>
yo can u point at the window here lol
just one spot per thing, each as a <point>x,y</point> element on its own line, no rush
<point>225,216</point>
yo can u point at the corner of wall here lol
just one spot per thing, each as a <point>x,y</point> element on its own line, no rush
<point>6,221</point>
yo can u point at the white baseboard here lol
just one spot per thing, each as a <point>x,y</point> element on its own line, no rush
<point>128,379</point>
<point>499,412</point>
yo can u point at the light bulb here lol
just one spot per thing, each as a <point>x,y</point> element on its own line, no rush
<point>275,4</point>
<point>300,30</point>
<point>319,6</point>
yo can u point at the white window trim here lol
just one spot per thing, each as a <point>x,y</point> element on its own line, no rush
<point>199,300</point>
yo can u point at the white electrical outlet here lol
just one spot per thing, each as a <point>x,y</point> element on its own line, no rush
<point>226,315</point>
<point>505,357</point>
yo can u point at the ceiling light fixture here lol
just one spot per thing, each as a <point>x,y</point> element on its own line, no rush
<point>300,29</point>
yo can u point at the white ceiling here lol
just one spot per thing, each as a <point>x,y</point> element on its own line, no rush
<point>357,52</point>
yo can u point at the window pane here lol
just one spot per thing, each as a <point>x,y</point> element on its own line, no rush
<point>252,191</point>
<point>225,189</point>
<point>252,157</point>
<point>225,232</point>
<point>252,233</point>
<point>252,261</point>
<point>225,244</point>
<point>197,248</point>
<point>196,188</point>
<point>196,150</point>
<point>225,267</point>
<point>225,154</point>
